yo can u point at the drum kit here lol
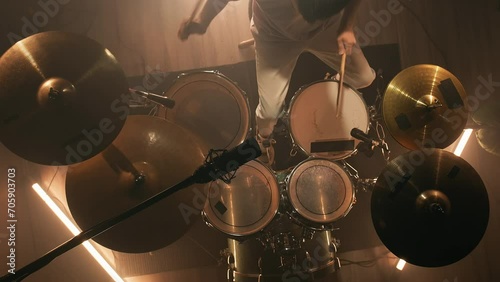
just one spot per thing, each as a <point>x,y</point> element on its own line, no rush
<point>63,101</point>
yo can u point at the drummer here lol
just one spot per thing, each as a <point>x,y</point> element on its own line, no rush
<point>282,30</point>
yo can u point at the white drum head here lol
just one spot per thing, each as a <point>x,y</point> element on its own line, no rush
<point>320,191</point>
<point>246,205</point>
<point>314,125</point>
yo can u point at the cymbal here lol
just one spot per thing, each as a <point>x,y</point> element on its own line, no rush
<point>425,106</point>
<point>60,98</point>
<point>430,208</point>
<point>149,155</point>
<point>488,140</point>
<point>488,113</point>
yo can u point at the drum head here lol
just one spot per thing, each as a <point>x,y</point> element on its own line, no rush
<point>320,191</point>
<point>211,107</point>
<point>314,125</point>
<point>246,205</point>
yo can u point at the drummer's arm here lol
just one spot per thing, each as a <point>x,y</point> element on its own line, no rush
<point>203,14</point>
<point>346,38</point>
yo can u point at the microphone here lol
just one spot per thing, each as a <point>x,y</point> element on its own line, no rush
<point>165,101</point>
<point>227,162</point>
<point>358,134</point>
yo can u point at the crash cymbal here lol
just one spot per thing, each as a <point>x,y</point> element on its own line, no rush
<point>60,98</point>
<point>149,155</point>
<point>430,208</point>
<point>425,106</point>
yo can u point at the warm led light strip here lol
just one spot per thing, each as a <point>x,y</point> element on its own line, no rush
<point>74,230</point>
<point>463,142</point>
<point>401,264</point>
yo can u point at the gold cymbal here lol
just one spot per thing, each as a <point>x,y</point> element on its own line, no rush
<point>149,155</point>
<point>60,98</point>
<point>430,207</point>
<point>425,106</point>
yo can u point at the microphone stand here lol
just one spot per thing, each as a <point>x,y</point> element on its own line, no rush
<point>221,165</point>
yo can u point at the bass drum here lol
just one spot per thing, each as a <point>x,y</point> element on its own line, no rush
<point>314,125</point>
<point>247,204</point>
<point>212,107</point>
<point>319,192</point>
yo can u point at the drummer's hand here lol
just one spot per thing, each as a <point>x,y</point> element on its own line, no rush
<point>189,27</point>
<point>346,40</point>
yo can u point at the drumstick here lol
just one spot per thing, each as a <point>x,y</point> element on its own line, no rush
<point>341,82</point>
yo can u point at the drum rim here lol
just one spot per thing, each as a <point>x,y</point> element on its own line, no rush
<point>241,98</point>
<point>289,120</point>
<point>303,213</point>
<point>259,225</point>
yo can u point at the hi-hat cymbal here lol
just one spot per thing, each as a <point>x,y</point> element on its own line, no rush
<point>60,98</point>
<point>149,155</point>
<point>430,208</point>
<point>425,106</point>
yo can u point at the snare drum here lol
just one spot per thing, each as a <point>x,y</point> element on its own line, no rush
<point>314,126</point>
<point>320,192</point>
<point>212,107</point>
<point>246,205</point>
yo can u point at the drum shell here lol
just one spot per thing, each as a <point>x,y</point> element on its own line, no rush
<point>255,263</point>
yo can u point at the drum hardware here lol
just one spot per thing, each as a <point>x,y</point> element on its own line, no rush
<point>252,261</point>
<point>158,99</point>
<point>422,102</point>
<point>421,203</point>
<point>60,98</point>
<point>366,184</point>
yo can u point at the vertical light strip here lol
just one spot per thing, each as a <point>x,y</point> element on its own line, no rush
<point>74,230</point>
<point>463,142</point>
<point>401,264</point>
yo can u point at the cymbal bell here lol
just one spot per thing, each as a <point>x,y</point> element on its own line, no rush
<point>430,208</point>
<point>149,155</point>
<point>60,98</point>
<point>425,106</point>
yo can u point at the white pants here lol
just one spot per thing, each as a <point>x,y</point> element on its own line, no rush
<point>276,59</point>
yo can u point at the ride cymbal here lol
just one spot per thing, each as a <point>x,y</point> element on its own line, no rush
<point>60,98</point>
<point>424,106</point>
<point>149,155</point>
<point>430,209</point>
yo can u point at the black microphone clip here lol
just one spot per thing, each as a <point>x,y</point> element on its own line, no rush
<point>360,135</point>
<point>221,166</point>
